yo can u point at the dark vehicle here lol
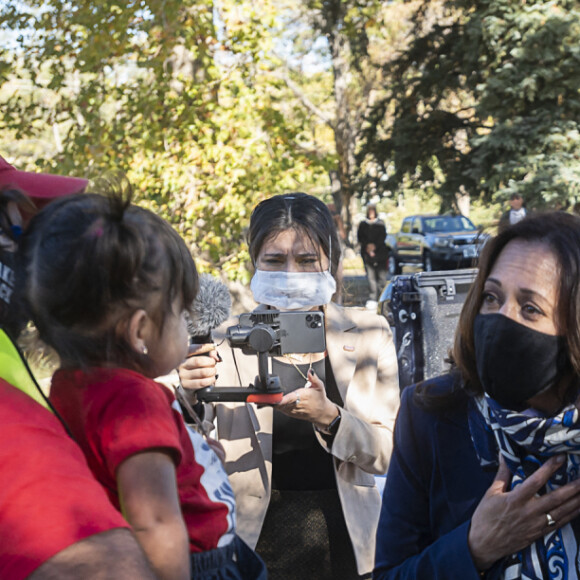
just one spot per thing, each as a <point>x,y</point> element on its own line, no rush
<point>437,242</point>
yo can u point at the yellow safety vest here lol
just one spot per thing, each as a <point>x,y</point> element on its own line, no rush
<point>15,371</point>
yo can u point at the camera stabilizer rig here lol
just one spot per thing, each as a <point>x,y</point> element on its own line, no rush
<point>270,333</point>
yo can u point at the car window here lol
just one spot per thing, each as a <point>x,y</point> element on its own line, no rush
<point>466,223</point>
<point>406,228</point>
<point>432,225</point>
<point>448,224</point>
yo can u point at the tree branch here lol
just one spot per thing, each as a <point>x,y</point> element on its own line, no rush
<point>305,100</point>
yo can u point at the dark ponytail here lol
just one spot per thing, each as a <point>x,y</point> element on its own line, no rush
<point>89,262</point>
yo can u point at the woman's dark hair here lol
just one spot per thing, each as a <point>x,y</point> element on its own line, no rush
<point>301,212</point>
<point>372,208</point>
<point>560,231</point>
<point>88,262</point>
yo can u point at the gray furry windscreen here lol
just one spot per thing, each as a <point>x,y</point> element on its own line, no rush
<point>211,307</point>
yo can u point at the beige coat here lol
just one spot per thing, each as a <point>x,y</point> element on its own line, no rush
<point>362,354</point>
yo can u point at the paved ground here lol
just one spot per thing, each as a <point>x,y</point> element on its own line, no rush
<point>356,287</point>
<point>355,290</point>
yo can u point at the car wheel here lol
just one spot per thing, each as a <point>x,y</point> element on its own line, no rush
<point>427,262</point>
<point>393,266</point>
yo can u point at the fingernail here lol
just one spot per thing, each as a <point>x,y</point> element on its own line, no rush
<point>560,459</point>
<point>311,373</point>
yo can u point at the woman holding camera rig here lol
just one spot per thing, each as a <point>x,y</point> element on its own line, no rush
<point>302,470</point>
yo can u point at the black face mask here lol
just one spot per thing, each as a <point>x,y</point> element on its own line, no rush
<point>514,362</point>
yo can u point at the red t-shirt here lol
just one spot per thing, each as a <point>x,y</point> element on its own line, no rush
<point>116,413</point>
<point>49,499</point>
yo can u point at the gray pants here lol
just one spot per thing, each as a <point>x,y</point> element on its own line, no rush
<point>377,278</point>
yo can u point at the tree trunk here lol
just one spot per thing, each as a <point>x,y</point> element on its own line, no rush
<point>344,135</point>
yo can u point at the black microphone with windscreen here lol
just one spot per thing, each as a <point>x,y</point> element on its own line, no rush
<point>211,307</point>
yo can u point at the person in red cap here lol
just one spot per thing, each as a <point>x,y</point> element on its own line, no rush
<point>55,519</point>
<point>40,187</point>
<point>22,194</point>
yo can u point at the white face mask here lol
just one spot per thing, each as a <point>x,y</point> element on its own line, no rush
<point>293,290</point>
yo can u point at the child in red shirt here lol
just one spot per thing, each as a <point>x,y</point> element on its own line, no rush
<point>108,286</point>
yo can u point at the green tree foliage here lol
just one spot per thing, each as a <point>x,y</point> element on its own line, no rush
<point>484,101</point>
<point>347,26</point>
<point>182,96</point>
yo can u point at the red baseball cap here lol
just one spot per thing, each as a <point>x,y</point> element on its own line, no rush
<point>41,187</point>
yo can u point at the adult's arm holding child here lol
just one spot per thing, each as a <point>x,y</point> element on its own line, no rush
<point>110,554</point>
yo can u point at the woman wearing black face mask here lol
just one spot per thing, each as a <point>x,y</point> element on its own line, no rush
<point>483,480</point>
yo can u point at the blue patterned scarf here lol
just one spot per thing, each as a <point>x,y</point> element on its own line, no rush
<point>526,440</point>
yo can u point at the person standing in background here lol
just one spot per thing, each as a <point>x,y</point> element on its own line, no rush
<point>371,236</point>
<point>516,213</point>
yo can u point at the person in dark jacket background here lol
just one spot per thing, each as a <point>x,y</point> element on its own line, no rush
<point>371,236</point>
<point>516,213</point>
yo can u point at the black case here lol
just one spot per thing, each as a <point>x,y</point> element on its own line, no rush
<point>423,310</point>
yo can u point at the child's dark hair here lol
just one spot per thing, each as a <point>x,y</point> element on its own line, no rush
<point>89,261</point>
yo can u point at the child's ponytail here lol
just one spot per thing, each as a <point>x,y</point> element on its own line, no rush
<point>91,261</point>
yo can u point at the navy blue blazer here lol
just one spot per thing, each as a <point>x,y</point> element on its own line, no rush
<point>433,486</point>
